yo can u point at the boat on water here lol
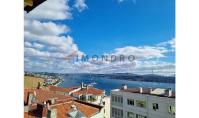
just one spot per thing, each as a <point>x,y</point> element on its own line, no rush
<point>92,84</point>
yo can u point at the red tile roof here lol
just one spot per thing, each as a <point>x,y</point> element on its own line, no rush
<point>44,95</point>
<point>67,90</point>
<point>90,90</point>
<point>86,109</point>
<point>63,105</point>
<point>64,108</point>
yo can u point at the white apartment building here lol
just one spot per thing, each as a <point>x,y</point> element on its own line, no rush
<point>142,103</point>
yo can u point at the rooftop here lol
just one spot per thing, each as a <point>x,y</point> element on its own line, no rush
<point>89,90</point>
<point>64,105</point>
<point>44,95</point>
<point>156,91</point>
<point>82,90</point>
<point>64,109</point>
<point>87,109</point>
<point>67,90</point>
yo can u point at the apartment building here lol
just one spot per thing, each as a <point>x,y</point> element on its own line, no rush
<point>142,103</point>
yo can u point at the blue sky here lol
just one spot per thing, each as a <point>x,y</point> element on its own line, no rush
<point>61,28</point>
<point>103,27</point>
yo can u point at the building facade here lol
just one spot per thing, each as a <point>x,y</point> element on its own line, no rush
<point>142,103</point>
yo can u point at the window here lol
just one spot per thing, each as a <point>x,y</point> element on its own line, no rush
<point>117,113</point>
<point>171,110</point>
<point>140,116</point>
<point>155,106</point>
<point>121,99</point>
<point>130,115</point>
<point>130,102</point>
<point>116,98</point>
<point>141,103</point>
<point>113,98</point>
<point>104,103</point>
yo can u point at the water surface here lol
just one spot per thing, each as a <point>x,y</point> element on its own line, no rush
<point>110,84</point>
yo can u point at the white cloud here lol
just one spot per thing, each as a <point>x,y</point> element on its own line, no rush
<point>34,45</point>
<point>120,1</point>
<point>172,43</point>
<point>27,44</point>
<point>49,47</point>
<point>51,10</point>
<point>45,28</point>
<point>147,60</point>
<point>32,52</point>
<point>64,49</point>
<point>54,43</point>
<point>141,52</point>
<point>169,44</point>
<point>139,67</point>
<point>38,46</point>
<point>48,39</point>
<point>80,5</point>
<point>157,67</point>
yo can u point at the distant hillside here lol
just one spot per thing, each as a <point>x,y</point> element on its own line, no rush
<point>135,77</point>
<point>32,82</point>
<point>125,76</point>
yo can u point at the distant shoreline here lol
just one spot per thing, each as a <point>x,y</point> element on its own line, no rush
<point>58,83</point>
<point>141,81</point>
<point>130,77</point>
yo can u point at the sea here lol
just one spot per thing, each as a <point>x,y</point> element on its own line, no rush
<point>108,84</point>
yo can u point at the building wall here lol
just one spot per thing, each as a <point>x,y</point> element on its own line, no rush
<point>76,96</point>
<point>98,99</point>
<point>74,91</point>
<point>161,112</point>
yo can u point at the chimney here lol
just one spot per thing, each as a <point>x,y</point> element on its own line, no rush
<point>52,113</point>
<point>150,90</point>
<point>39,85</point>
<point>35,93</point>
<point>124,87</point>
<point>74,107</point>
<point>82,85</point>
<point>42,110</point>
<point>51,101</point>
<point>87,87</point>
<point>48,106</point>
<point>168,92</point>
<point>140,89</point>
<point>30,98</point>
